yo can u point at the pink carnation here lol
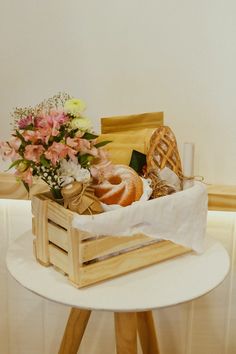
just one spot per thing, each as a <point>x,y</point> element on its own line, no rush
<point>33,152</point>
<point>24,122</point>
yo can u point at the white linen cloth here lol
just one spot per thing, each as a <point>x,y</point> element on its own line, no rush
<point>180,217</point>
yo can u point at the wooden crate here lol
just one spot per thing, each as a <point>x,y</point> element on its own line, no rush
<point>87,259</point>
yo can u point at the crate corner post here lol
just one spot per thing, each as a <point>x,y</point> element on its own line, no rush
<point>40,229</point>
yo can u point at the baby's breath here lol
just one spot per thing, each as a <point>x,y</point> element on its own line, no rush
<point>53,103</point>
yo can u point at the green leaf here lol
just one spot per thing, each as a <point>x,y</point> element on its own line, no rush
<point>103,143</point>
<point>85,160</point>
<point>138,161</point>
<point>89,136</point>
<point>44,161</point>
<point>29,127</point>
<point>20,136</point>
<point>72,133</point>
<point>15,163</point>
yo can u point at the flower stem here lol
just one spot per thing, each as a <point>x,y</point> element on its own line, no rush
<point>56,193</point>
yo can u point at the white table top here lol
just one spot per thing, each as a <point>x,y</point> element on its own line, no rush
<point>168,283</point>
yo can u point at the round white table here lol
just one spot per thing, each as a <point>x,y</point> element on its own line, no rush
<point>131,297</point>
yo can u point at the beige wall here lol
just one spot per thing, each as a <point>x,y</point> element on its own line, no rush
<point>130,56</point>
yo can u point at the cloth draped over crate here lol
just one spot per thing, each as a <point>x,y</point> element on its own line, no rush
<point>179,217</point>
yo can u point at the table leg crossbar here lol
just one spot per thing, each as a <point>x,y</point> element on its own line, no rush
<point>127,326</point>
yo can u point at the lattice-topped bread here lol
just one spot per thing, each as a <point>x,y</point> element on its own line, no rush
<point>163,151</point>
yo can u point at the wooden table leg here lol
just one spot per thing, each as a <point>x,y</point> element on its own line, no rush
<point>74,331</point>
<point>126,332</point>
<point>147,333</point>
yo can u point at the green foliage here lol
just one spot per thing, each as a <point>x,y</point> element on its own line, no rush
<point>20,136</point>
<point>15,163</point>
<point>85,160</point>
<point>102,143</point>
<point>89,136</point>
<point>44,162</point>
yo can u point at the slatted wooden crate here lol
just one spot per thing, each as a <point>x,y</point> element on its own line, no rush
<point>87,259</point>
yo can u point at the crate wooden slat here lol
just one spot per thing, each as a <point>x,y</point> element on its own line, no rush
<point>104,246</point>
<point>40,207</point>
<point>85,258</point>
<point>59,258</point>
<point>58,236</point>
<point>130,261</point>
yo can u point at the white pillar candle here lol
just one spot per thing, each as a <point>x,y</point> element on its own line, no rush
<point>188,164</point>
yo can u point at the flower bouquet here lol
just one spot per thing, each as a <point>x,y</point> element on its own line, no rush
<point>54,141</point>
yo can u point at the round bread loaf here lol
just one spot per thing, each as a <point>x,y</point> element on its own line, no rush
<point>122,185</point>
